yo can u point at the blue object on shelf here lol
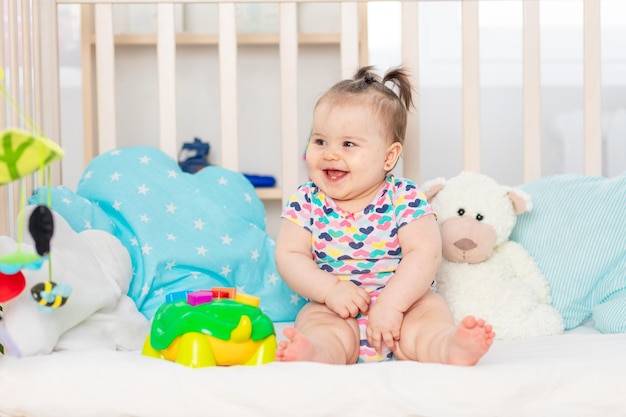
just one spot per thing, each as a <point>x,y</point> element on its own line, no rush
<point>261,180</point>
<point>195,154</point>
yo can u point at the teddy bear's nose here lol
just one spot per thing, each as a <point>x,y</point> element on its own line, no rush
<point>465,244</point>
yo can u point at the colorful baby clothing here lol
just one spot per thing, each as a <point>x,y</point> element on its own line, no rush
<point>362,247</point>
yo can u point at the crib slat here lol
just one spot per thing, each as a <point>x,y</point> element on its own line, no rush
<point>471,86</point>
<point>349,39</point>
<point>531,91</point>
<point>3,109</point>
<point>592,81</point>
<point>26,60</point>
<point>228,86</point>
<point>410,57</point>
<point>89,148</point>
<point>4,191</point>
<point>105,77</point>
<point>14,91</point>
<point>166,59</point>
<point>47,76</point>
<point>289,98</point>
<point>14,66</point>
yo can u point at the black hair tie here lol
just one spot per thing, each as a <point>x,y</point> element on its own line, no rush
<point>368,79</point>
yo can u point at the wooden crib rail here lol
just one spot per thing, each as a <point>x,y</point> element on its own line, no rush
<point>40,36</point>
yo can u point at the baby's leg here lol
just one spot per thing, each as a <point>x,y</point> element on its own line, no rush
<point>320,335</point>
<point>428,334</point>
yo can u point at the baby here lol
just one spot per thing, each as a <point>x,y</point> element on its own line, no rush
<point>363,245</point>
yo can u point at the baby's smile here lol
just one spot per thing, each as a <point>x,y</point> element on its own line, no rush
<point>335,174</point>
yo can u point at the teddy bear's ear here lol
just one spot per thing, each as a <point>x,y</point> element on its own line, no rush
<point>520,200</point>
<point>432,187</point>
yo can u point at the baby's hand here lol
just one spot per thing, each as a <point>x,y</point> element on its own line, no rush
<point>383,326</point>
<point>347,299</point>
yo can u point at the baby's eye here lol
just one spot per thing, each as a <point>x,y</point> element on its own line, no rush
<point>349,144</point>
<point>479,217</point>
<point>318,142</point>
<point>461,212</point>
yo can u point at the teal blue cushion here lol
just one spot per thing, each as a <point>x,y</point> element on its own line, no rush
<point>576,232</point>
<point>184,232</point>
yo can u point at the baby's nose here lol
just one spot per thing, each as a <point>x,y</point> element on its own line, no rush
<point>330,153</point>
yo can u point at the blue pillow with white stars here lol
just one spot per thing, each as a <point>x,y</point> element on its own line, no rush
<point>184,232</point>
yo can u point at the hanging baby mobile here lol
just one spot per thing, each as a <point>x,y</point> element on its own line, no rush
<point>23,153</point>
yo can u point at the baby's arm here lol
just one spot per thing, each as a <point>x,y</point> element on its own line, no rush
<point>420,241</point>
<point>297,267</point>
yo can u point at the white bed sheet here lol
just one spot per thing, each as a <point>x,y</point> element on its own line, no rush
<point>580,373</point>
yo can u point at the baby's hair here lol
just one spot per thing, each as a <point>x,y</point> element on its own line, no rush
<point>390,105</point>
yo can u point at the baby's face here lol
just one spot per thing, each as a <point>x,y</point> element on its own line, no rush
<point>349,153</point>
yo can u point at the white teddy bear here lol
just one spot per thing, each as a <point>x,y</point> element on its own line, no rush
<point>482,272</point>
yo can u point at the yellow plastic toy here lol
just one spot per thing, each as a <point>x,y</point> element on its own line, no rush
<point>203,331</point>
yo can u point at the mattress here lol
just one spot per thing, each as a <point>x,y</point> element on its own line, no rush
<point>579,373</point>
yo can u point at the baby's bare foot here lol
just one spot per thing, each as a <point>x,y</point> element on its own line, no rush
<point>298,348</point>
<point>471,340</point>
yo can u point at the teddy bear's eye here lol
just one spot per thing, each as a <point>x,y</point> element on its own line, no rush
<point>479,217</point>
<point>461,212</point>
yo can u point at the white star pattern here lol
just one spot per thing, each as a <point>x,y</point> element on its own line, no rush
<point>143,190</point>
<point>198,224</point>
<point>272,278</point>
<point>170,208</point>
<point>142,197</point>
<point>116,152</point>
<point>225,271</point>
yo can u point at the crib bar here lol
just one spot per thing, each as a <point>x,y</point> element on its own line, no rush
<point>5,201</point>
<point>12,81</point>
<point>89,148</point>
<point>349,39</point>
<point>46,74</point>
<point>471,86</point>
<point>3,102</point>
<point>228,86</point>
<point>26,60</point>
<point>531,91</point>
<point>410,57</point>
<point>592,87</point>
<point>105,77</point>
<point>166,58</point>
<point>288,51</point>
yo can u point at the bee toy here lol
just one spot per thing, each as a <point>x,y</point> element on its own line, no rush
<point>50,295</point>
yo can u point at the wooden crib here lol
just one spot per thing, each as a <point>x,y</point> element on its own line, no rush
<point>33,77</point>
<point>192,67</point>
